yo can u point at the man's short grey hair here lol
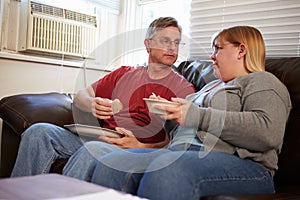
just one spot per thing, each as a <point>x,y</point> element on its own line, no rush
<point>161,23</point>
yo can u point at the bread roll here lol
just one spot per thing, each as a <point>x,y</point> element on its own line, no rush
<point>116,106</point>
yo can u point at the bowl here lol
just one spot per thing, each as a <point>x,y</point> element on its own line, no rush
<point>151,103</point>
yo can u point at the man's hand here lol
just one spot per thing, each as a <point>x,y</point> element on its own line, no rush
<point>102,108</point>
<point>127,141</point>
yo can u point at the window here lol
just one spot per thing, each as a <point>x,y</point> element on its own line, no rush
<point>152,9</point>
<point>278,20</point>
<point>179,10</point>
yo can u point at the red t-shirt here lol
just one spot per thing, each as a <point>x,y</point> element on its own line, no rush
<point>130,85</point>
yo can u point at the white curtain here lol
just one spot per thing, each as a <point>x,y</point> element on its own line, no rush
<point>278,20</point>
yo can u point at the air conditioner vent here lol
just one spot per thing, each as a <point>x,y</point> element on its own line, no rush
<point>62,13</point>
<point>46,9</point>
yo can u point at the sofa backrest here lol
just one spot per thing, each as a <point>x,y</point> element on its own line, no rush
<point>288,71</point>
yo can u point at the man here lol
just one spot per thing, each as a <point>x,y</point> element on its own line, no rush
<point>43,143</point>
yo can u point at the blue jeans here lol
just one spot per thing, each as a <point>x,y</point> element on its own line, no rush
<point>82,163</point>
<point>181,174</point>
<point>41,144</point>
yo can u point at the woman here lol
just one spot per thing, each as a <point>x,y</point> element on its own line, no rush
<point>239,121</point>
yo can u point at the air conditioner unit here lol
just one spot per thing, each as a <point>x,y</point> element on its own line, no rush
<point>60,31</point>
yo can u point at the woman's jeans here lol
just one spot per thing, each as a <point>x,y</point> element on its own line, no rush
<point>43,143</point>
<point>163,174</point>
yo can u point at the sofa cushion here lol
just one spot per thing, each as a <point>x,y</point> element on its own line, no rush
<point>20,111</point>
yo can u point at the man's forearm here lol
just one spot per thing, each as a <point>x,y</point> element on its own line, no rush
<point>83,99</point>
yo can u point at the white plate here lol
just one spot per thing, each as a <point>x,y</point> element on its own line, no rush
<point>152,102</point>
<point>92,131</point>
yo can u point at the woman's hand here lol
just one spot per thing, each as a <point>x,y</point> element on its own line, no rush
<point>156,97</point>
<point>102,108</point>
<point>127,141</point>
<point>177,113</point>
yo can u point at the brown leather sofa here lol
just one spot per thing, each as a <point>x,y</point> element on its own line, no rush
<point>18,112</point>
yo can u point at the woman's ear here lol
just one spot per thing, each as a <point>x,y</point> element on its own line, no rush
<point>243,50</point>
<point>147,45</point>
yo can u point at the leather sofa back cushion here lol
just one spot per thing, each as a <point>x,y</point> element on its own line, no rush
<point>20,111</point>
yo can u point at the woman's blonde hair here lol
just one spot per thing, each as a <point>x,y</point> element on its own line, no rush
<point>252,38</point>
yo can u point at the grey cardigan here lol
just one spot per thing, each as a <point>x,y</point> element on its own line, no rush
<point>246,116</point>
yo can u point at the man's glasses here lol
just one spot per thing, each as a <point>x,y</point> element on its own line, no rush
<point>167,42</point>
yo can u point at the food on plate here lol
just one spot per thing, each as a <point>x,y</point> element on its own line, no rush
<point>151,103</point>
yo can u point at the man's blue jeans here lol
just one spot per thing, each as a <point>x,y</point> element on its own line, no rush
<point>163,174</point>
<point>43,143</point>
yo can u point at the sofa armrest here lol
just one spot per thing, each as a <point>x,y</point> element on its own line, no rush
<point>21,111</point>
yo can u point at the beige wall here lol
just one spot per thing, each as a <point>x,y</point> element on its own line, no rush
<point>18,77</point>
